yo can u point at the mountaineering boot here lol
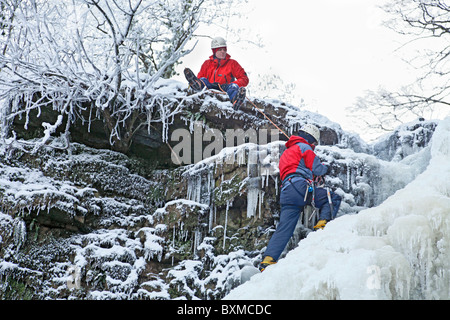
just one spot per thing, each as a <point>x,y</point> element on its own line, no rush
<point>320,225</point>
<point>239,99</point>
<point>193,81</point>
<point>268,260</point>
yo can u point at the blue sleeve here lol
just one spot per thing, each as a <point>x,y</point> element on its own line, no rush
<point>318,168</point>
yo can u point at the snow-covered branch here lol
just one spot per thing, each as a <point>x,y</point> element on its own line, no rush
<point>105,57</point>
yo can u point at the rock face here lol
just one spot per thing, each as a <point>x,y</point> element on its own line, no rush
<point>90,223</point>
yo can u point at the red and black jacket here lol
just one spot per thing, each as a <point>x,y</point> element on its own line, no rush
<point>224,71</point>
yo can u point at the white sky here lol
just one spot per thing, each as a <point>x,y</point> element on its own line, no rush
<point>332,50</point>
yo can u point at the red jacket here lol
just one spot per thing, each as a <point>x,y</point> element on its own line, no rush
<point>224,71</point>
<point>300,158</point>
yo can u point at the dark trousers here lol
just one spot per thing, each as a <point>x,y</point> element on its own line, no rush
<point>231,89</point>
<point>292,202</point>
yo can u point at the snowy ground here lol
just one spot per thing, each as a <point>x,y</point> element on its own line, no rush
<point>397,250</point>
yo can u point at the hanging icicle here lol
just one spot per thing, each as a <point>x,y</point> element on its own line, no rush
<point>225,224</point>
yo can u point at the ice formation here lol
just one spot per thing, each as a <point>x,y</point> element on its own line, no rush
<point>262,165</point>
<point>397,250</point>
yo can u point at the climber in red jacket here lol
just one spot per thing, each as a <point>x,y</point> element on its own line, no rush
<point>220,72</point>
<point>298,167</point>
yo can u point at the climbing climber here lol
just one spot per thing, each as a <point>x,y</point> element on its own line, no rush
<point>298,166</point>
<point>220,72</point>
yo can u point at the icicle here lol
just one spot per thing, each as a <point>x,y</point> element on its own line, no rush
<point>215,214</point>
<point>194,244</point>
<point>261,199</point>
<point>211,217</point>
<point>211,202</point>
<point>189,189</point>
<point>252,201</point>
<point>276,185</point>
<point>173,243</point>
<point>198,189</point>
<point>241,152</point>
<point>19,233</point>
<point>194,188</point>
<point>225,226</point>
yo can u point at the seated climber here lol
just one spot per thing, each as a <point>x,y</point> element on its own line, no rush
<point>220,72</point>
<point>298,164</point>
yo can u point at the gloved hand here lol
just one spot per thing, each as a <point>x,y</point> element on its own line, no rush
<point>319,181</point>
<point>320,225</point>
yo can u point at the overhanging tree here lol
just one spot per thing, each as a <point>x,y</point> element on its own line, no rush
<point>94,57</point>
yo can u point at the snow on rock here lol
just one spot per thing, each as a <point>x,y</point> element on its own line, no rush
<point>101,225</point>
<point>261,163</point>
<point>407,139</point>
<point>397,250</point>
<point>22,189</point>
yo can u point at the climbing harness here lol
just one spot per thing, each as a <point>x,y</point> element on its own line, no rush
<point>309,218</point>
<point>310,188</point>
<point>309,215</point>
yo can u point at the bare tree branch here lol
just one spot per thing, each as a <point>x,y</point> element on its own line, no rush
<point>426,21</point>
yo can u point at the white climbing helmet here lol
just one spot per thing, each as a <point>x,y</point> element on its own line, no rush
<point>312,130</point>
<point>218,42</point>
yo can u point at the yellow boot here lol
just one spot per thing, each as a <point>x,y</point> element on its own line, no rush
<point>268,260</point>
<point>320,225</point>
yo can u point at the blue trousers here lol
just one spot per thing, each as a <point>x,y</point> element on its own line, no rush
<point>231,89</point>
<point>292,202</point>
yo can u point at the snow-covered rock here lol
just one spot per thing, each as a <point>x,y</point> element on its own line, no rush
<point>89,223</point>
<point>405,140</point>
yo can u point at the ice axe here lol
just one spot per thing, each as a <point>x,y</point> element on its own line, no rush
<point>330,202</point>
